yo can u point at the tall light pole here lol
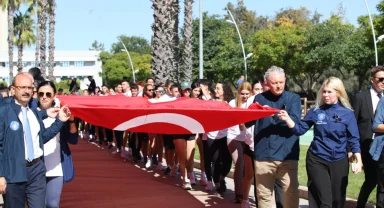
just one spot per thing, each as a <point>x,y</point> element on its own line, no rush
<point>241,41</point>
<point>130,60</point>
<point>373,33</point>
<point>201,74</point>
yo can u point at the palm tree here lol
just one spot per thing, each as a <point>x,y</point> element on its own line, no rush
<point>165,42</point>
<point>162,40</point>
<point>11,6</point>
<point>37,10</point>
<point>187,52</point>
<point>23,31</point>
<point>175,10</point>
<point>43,35</point>
<point>51,47</point>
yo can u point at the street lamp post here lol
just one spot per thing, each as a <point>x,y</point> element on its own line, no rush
<point>130,60</point>
<point>241,41</point>
<point>373,33</point>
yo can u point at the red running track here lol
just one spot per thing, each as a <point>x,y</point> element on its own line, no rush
<point>105,180</point>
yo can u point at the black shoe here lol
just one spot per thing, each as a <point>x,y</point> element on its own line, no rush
<point>223,187</point>
<point>238,199</point>
<point>167,171</point>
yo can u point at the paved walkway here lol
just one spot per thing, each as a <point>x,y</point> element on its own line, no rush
<point>106,180</point>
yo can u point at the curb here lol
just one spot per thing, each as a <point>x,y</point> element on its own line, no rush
<point>303,190</point>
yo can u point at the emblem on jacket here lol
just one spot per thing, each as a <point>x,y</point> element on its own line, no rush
<point>14,125</point>
<point>321,118</point>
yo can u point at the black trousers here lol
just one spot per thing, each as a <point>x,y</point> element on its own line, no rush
<point>380,185</point>
<point>370,171</point>
<point>119,138</point>
<point>109,134</point>
<point>327,181</point>
<point>216,152</point>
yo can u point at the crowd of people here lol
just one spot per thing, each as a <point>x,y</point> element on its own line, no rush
<point>264,152</point>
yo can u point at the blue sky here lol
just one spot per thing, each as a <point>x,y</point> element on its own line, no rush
<point>79,23</point>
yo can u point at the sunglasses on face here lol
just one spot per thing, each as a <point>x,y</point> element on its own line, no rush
<point>381,79</point>
<point>47,94</point>
<point>149,90</point>
<point>160,91</point>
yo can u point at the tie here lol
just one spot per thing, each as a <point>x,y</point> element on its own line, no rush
<point>379,95</point>
<point>28,136</point>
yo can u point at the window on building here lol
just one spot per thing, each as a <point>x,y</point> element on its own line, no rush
<point>7,64</point>
<point>64,63</point>
<point>79,63</point>
<point>24,63</point>
<point>33,64</point>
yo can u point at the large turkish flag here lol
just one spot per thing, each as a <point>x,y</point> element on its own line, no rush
<point>182,116</point>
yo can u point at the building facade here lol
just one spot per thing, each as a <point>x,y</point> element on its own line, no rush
<point>79,64</point>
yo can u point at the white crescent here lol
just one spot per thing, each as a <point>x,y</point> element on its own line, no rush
<point>172,118</point>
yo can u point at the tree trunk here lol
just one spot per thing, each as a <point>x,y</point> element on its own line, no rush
<point>188,53</point>
<point>37,34</point>
<point>51,62</point>
<point>11,7</point>
<point>175,40</point>
<point>20,57</point>
<point>43,38</point>
<point>162,40</point>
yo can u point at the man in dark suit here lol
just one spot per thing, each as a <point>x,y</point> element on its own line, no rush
<point>364,105</point>
<point>22,135</point>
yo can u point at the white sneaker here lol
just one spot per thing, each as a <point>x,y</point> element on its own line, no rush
<point>209,186</point>
<point>115,152</point>
<point>245,204</point>
<point>148,164</point>
<point>81,135</point>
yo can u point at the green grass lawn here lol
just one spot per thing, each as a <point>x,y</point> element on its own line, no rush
<point>354,181</point>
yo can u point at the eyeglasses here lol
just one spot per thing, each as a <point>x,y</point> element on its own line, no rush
<point>24,88</point>
<point>160,91</point>
<point>47,94</point>
<point>381,79</point>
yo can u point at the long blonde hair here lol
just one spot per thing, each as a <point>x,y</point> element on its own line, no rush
<point>337,85</point>
<point>243,86</point>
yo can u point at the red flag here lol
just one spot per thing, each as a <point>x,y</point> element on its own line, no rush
<point>182,116</point>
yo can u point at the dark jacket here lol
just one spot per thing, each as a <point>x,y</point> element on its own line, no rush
<point>12,152</point>
<point>334,127</point>
<point>274,140</point>
<point>363,110</point>
<point>66,158</point>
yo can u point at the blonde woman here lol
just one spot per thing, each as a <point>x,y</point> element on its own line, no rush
<point>236,139</point>
<point>335,126</point>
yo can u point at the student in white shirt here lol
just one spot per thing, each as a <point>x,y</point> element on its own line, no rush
<point>236,139</point>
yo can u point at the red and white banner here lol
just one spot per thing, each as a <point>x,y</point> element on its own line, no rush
<point>182,116</point>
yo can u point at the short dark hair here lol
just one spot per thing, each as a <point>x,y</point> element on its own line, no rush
<point>124,80</point>
<point>60,89</point>
<point>175,86</point>
<point>134,87</point>
<point>149,79</point>
<point>35,72</point>
<point>376,69</point>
